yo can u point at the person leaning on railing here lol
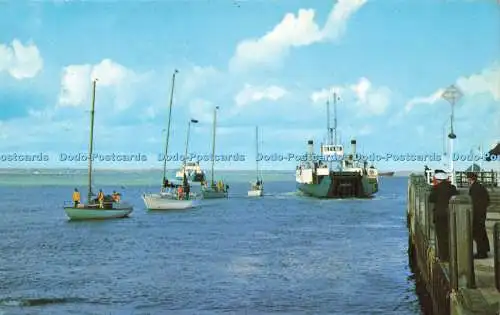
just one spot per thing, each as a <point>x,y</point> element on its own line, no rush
<point>480,202</point>
<point>440,195</point>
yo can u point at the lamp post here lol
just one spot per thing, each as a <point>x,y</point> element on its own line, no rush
<point>452,94</point>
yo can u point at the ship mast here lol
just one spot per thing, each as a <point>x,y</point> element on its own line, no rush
<point>168,127</point>
<point>213,144</point>
<point>257,151</point>
<point>91,143</point>
<point>335,116</point>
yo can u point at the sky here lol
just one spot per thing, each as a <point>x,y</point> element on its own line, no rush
<point>271,64</point>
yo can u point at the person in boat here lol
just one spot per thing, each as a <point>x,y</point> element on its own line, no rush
<point>480,202</point>
<point>165,184</point>
<point>440,196</point>
<point>100,198</point>
<point>116,196</point>
<point>187,189</point>
<point>180,193</point>
<point>76,197</point>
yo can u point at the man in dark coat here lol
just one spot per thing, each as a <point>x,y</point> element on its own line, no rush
<point>480,202</point>
<point>440,196</point>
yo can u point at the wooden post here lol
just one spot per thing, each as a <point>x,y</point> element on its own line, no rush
<point>429,216</point>
<point>453,249</point>
<point>462,248</point>
<point>496,253</point>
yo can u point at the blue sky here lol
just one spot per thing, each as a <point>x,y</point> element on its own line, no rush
<point>265,63</point>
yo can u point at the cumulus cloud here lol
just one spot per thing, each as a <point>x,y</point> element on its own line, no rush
<point>201,109</point>
<point>196,78</point>
<point>293,31</point>
<point>370,99</point>
<point>485,82</point>
<point>20,61</point>
<point>250,94</point>
<point>76,83</point>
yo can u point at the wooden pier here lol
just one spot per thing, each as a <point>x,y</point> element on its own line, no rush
<point>462,286</point>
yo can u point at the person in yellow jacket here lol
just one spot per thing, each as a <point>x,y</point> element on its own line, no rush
<point>76,197</point>
<point>100,198</point>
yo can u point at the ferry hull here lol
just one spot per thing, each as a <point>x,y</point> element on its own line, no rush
<point>327,188</point>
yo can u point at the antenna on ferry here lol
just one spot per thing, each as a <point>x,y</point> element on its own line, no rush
<point>335,99</point>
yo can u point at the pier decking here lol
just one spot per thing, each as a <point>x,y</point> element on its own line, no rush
<point>464,285</point>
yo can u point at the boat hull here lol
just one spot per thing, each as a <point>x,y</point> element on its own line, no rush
<point>388,174</point>
<point>327,188</point>
<point>167,202</point>
<point>255,193</point>
<point>213,194</point>
<point>94,213</point>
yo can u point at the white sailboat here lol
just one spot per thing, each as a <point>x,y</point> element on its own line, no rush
<point>168,197</point>
<point>92,210</point>
<point>219,189</point>
<point>257,187</point>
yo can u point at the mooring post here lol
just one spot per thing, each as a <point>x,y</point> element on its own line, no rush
<point>496,253</point>
<point>417,206</point>
<point>453,248</point>
<point>463,247</point>
<point>428,215</point>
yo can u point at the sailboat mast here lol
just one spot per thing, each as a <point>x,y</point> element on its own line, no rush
<point>335,116</point>
<point>257,150</point>
<point>213,142</point>
<point>168,127</point>
<point>91,143</point>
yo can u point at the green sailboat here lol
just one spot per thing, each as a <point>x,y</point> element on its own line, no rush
<point>214,189</point>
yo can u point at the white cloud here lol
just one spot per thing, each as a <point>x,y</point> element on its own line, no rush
<point>250,94</point>
<point>431,99</point>
<point>201,109</point>
<point>365,130</point>
<point>195,78</point>
<point>293,31</point>
<point>369,99</point>
<point>20,61</point>
<point>486,82</point>
<point>76,83</point>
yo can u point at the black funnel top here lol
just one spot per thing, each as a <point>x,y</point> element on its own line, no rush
<point>310,142</point>
<point>353,141</point>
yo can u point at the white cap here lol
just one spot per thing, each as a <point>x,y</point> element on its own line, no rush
<point>441,176</point>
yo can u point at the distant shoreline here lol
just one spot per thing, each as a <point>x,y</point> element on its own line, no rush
<point>131,170</point>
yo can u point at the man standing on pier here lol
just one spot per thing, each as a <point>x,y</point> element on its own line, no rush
<point>440,196</point>
<point>480,202</point>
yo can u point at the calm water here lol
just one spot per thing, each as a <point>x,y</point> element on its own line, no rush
<point>282,253</point>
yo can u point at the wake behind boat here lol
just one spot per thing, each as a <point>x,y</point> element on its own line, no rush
<point>104,207</point>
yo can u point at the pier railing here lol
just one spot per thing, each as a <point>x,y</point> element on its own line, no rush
<point>487,178</point>
<point>451,285</point>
